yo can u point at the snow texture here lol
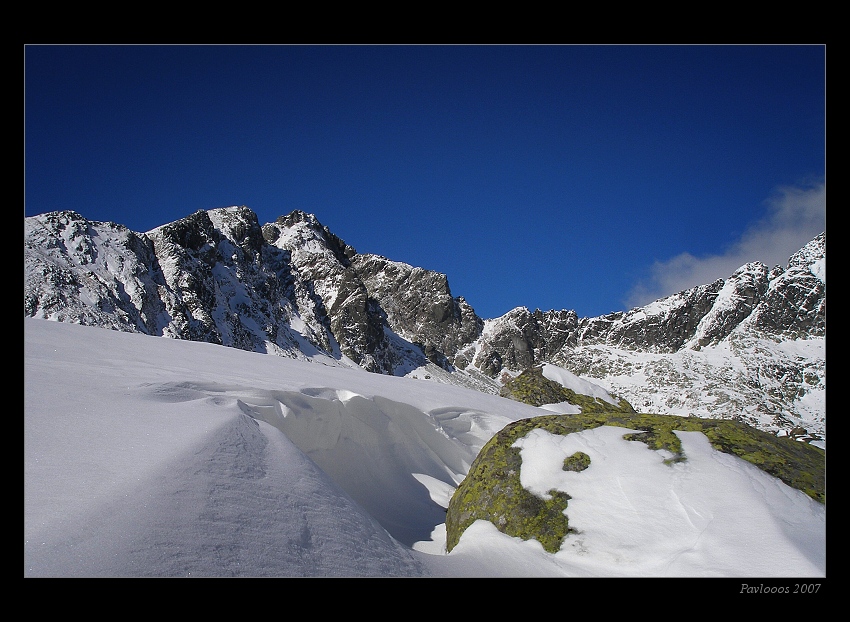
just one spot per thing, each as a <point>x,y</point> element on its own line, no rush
<point>151,457</point>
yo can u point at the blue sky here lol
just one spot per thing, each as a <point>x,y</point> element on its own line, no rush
<point>593,178</point>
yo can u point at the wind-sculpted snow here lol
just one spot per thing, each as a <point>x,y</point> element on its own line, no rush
<point>158,457</point>
<point>363,444</point>
<point>249,510</point>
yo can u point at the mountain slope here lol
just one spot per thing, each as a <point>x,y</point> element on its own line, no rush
<point>750,347</point>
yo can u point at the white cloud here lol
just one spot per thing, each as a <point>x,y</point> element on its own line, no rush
<point>795,216</point>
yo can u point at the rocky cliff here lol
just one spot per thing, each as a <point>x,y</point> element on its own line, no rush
<point>750,347</point>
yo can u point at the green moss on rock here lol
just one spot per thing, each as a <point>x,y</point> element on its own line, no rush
<point>532,387</point>
<point>492,490</point>
<point>578,462</point>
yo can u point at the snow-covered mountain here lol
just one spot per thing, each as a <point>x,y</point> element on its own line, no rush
<point>750,347</point>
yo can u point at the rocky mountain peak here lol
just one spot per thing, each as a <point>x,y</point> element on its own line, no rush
<point>294,288</point>
<point>811,257</point>
<point>734,302</point>
<point>303,233</point>
<point>794,305</point>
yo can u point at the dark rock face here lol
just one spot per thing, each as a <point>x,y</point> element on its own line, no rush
<point>329,289</point>
<point>420,307</point>
<point>229,287</point>
<point>521,339</point>
<point>741,293</point>
<point>795,304</point>
<point>665,327</point>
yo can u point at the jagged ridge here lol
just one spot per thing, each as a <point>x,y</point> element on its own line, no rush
<point>750,347</point>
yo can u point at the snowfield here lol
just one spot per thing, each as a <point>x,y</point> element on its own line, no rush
<point>153,457</point>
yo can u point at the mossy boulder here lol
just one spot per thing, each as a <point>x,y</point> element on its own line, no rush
<point>532,387</point>
<point>492,490</point>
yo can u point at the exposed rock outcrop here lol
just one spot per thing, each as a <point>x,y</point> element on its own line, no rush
<point>492,490</point>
